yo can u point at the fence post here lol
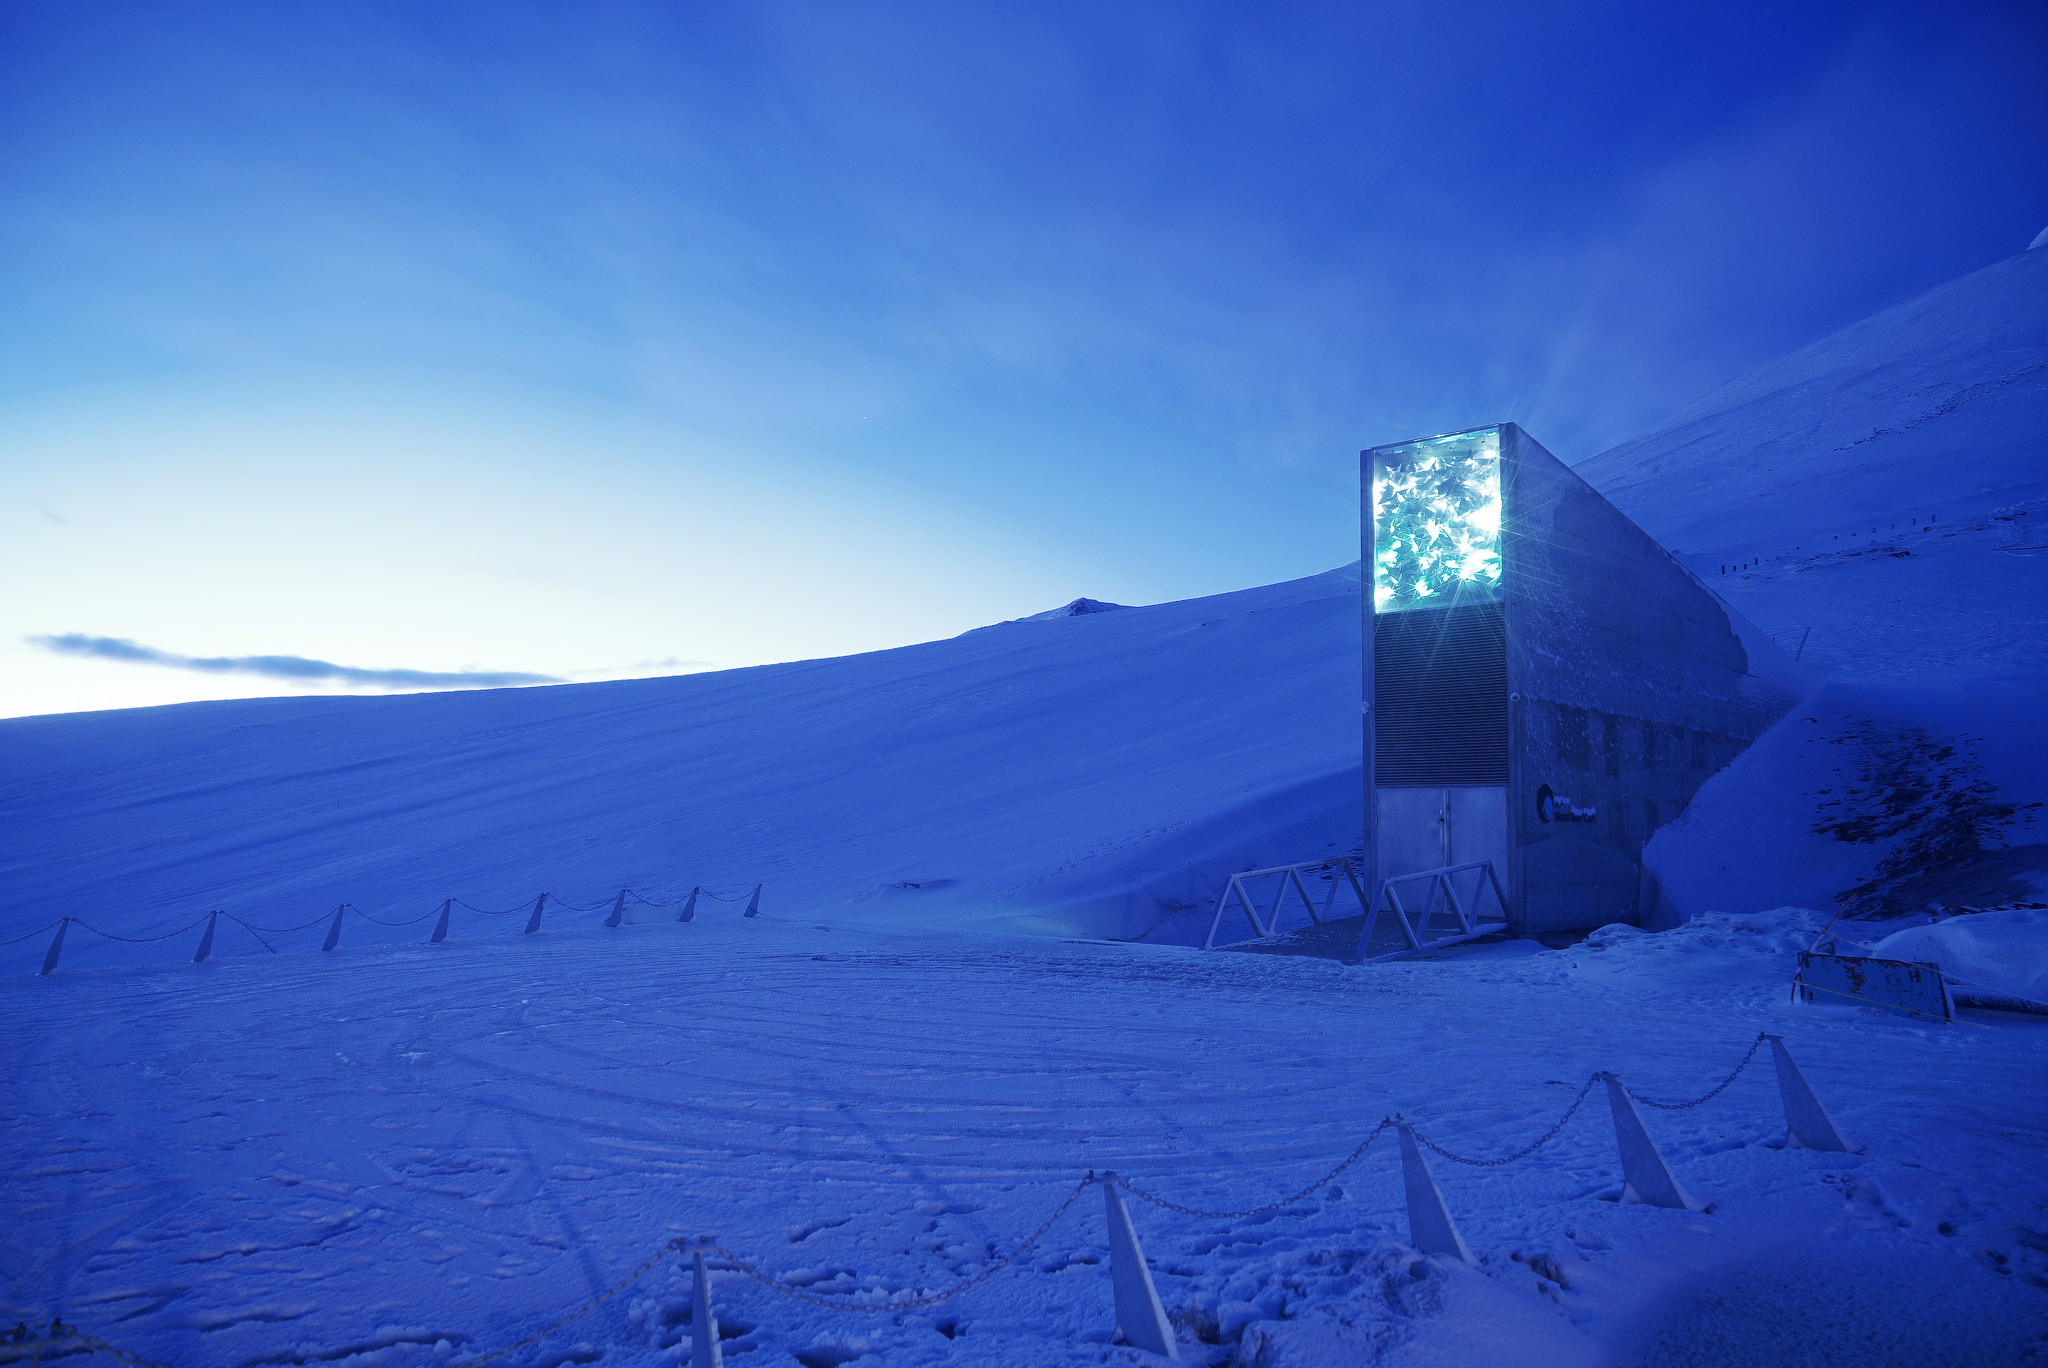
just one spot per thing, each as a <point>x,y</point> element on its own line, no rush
<point>206,939</point>
<point>689,912</point>
<point>1807,1123</point>
<point>441,926</point>
<point>1138,1312</point>
<point>533,922</point>
<point>1430,1228</point>
<point>1645,1177</point>
<point>56,947</point>
<point>334,931</point>
<point>754,903</point>
<point>704,1348</point>
<point>618,910</point>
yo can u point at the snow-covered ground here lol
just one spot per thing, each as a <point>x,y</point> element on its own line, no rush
<point>405,1154</point>
<point>408,1155</point>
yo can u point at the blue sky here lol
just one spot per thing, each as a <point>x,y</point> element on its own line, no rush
<point>611,338</point>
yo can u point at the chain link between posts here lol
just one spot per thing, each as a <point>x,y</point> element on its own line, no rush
<point>379,921</point>
<point>487,912</point>
<point>1518,1155</point>
<point>1717,1089</point>
<point>137,940</point>
<point>31,935</point>
<point>1317,1186</point>
<point>285,930</point>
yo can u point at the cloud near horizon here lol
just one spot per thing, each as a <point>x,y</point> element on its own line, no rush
<point>296,668</point>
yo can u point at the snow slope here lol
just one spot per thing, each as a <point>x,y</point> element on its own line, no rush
<point>1885,489</point>
<point>1088,771</point>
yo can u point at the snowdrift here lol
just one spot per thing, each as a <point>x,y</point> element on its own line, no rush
<point>1881,797</point>
<point>1995,959</point>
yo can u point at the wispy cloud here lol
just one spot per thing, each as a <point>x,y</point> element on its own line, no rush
<point>296,668</point>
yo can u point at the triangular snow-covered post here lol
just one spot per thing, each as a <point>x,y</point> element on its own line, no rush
<point>689,912</point>
<point>1807,1123</point>
<point>754,903</point>
<point>1645,1177</point>
<point>1430,1228</point>
<point>618,910</point>
<point>206,939</point>
<point>533,922</point>
<point>441,926</point>
<point>704,1349</point>
<point>1138,1312</point>
<point>56,947</point>
<point>334,929</point>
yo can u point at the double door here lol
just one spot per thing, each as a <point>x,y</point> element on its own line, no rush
<point>1433,828</point>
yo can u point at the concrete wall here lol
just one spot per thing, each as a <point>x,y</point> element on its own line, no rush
<point>1629,687</point>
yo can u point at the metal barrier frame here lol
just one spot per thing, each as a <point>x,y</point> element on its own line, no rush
<point>1343,874</point>
<point>1470,925</point>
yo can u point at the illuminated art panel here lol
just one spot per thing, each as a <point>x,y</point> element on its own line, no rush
<point>1436,522</point>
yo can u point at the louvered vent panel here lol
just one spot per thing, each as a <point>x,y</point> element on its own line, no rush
<point>1440,679</point>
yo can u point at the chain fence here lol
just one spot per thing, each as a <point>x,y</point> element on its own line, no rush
<point>1518,1155</point>
<point>489,912</point>
<point>1269,1208</point>
<point>1711,1093</point>
<point>184,930</point>
<point>1586,1091</point>
<point>287,930</point>
<point>260,934</point>
<point>379,921</point>
<point>25,1345</point>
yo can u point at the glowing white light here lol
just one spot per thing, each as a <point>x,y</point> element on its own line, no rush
<point>1436,522</point>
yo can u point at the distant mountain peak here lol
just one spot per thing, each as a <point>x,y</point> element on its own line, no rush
<point>1080,607</point>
